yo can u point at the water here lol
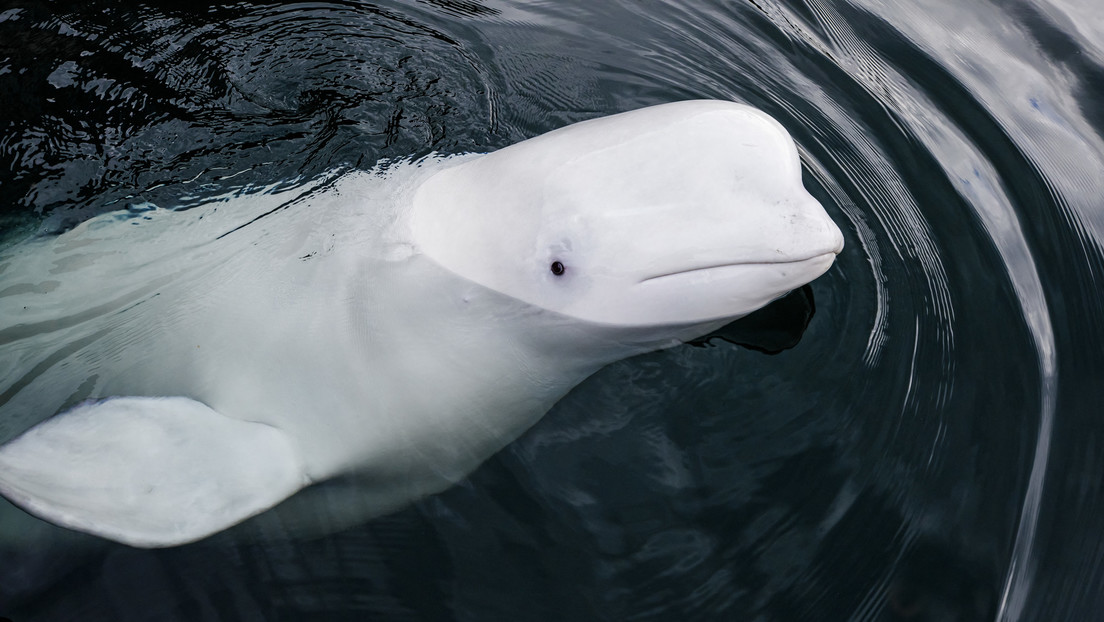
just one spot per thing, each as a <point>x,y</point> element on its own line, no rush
<point>932,449</point>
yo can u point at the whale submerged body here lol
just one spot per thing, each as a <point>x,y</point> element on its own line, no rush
<point>164,381</point>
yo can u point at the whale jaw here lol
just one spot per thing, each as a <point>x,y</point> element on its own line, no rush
<point>724,292</point>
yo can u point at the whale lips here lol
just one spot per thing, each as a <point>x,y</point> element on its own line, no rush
<point>716,269</point>
<point>825,244</point>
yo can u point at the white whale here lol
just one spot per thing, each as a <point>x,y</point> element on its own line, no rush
<point>166,377</point>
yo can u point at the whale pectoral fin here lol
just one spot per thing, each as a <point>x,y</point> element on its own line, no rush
<point>149,472</point>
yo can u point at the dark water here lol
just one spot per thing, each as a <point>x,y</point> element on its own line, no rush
<point>932,450</point>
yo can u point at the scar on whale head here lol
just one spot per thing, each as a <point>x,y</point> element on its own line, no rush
<point>224,367</point>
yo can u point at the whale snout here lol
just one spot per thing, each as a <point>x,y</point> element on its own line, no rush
<point>807,229</point>
<point>835,235</point>
<point>725,263</point>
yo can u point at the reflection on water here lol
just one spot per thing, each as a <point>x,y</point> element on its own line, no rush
<point>930,450</point>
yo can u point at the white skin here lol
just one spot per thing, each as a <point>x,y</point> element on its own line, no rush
<point>403,343</point>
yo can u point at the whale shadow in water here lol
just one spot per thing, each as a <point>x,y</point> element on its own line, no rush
<point>775,328</point>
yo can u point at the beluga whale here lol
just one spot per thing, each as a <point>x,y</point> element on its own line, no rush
<point>166,376</point>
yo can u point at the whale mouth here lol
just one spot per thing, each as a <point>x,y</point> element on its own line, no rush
<point>717,269</point>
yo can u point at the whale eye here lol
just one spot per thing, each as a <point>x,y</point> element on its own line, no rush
<point>557,268</point>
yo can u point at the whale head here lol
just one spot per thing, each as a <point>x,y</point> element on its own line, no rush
<point>679,214</point>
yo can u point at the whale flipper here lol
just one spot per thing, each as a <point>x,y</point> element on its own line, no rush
<point>147,471</point>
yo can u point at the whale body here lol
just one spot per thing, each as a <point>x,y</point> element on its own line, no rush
<point>166,376</point>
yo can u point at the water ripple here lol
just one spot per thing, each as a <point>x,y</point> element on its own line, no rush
<point>928,447</point>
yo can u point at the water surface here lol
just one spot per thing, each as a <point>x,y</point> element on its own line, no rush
<point>932,449</point>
